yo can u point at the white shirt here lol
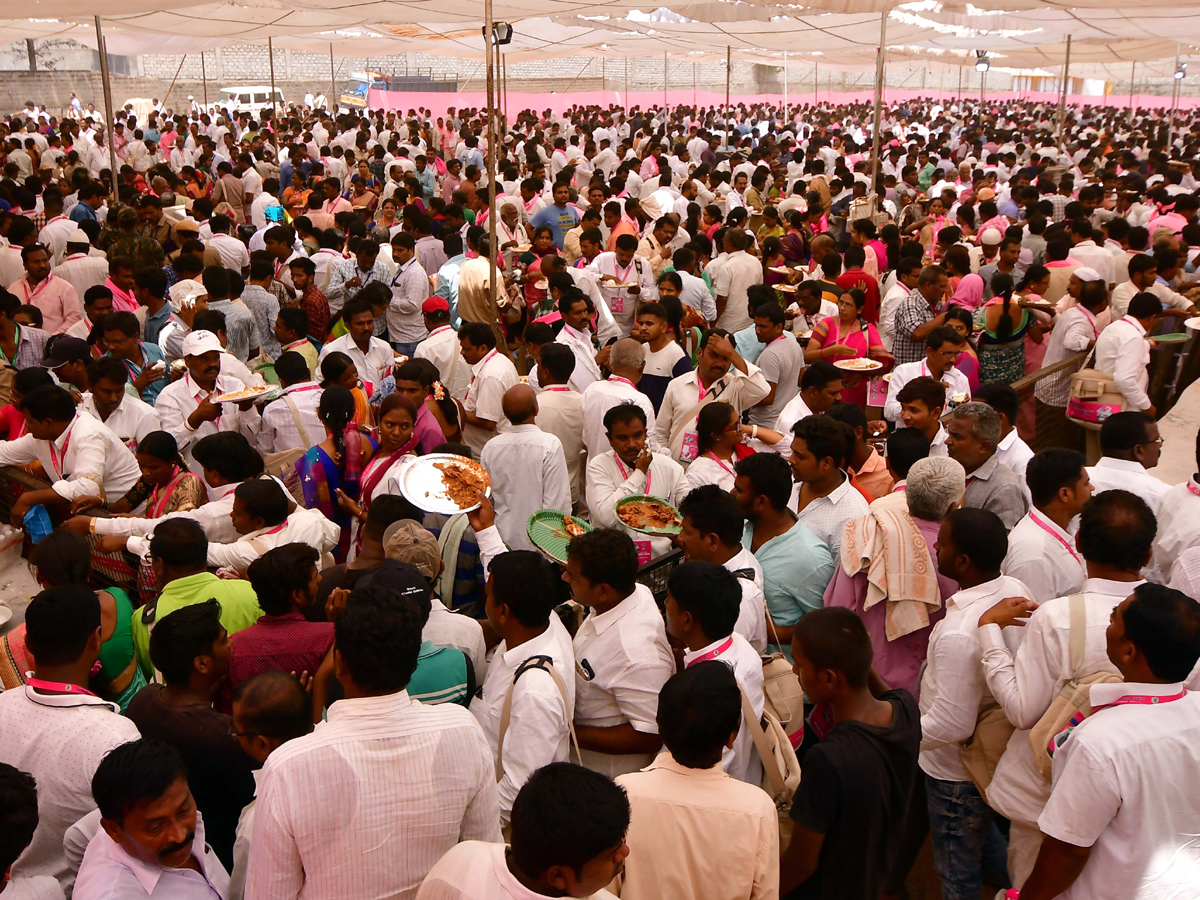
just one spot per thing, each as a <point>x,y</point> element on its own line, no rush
<point>303,526</point>
<point>131,421</point>
<point>83,271</point>
<point>109,873</point>
<point>332,804</point>
<point>1110,474</point>
<point>622,660</point>
<point>491,377</point>
<point>695,293</point>
<point>1013,452</point>
<point>1123,293</point>
<point>795,410</point>
<point>59,739</point>
<point>1111,788</point>
<point>1123,351</point>
<point>708,469</point>
<point>1073,332</point>
<point>586,370</point>
<point>1026,683</point>
<point>373,366</point>
<point>826,517</point>
<point>751,623</point>
<point>85,460</point>
<point>609,480</point>
<point>741,761</point>
<point>1043,557</point>
<point>620,302</point>
<point>233,252</point>
<point>954,380</point>
<point>179,399</point>
<point>458,632</point>
<point>475,870</point>
<point>601,396</point>
<point>887,313</point>
<point>681,404</point>
<point>442,349</point>
<point>737,274</point>
<point>279,433</point>
<point>213,517</point>
<point>39,887</point>
<point>1178,526</point>
<point>1098,258</point>
<point>410,288</point>
<point>529,472</point>
<point>539,717</point>
<point>953,689</point>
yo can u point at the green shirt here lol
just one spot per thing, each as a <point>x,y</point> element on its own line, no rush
<point>440,676</point>
<point>239,608</point>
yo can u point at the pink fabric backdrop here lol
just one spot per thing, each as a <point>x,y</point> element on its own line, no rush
<point>438,102</point>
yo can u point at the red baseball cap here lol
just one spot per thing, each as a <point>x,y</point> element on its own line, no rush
<point>433,304</point>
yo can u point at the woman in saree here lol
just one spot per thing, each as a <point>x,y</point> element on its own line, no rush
<point>166,486</point>
<point>362,199</point>
<point>969,292</point>
<point>849,336</point>
<point>398,445</point>
<point>64,558</point>
<point>338,369</point>
<point>1002,341</point>
<point>968,362</point>
<point>794,240</point>
<point>335,465</point>
<point>385,220</point>
<point>295,195</point>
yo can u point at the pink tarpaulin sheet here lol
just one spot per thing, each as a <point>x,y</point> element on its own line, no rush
<point>437,102</point>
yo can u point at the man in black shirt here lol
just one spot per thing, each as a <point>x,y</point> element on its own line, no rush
<point>851,805</point>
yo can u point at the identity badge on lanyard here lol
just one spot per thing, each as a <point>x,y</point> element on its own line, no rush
<point>58,458</point>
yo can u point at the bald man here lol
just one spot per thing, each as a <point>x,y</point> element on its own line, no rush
<point>528,469</point>
<point>626,361</point>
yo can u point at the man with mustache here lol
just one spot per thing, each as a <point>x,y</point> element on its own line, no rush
<point>151,841</point>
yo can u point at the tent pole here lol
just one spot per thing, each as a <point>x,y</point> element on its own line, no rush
<point>693,84</point>
<point>960,71</point>
<point>664,91</point>
<point>108,109</point>
<point>728,72</point>
<point>785,87</point>
<point>332,82</point>
<point>274,106</point>
<point>626,87</point>
<point>982,78</point>
<point>1062,103</point>
<point>816,84</point>
<point>1176,84</point>
<point>204,77</point>
<point>493,285</point>
<point>179,69</point>
<point>1132,73</point>
<point>876,136</point>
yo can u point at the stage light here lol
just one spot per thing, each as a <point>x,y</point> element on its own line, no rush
<point>981,61</point>
<point>1181,71</point>
<point>502,33</point>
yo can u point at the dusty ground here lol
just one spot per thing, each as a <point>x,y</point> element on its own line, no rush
<point>16,587</point>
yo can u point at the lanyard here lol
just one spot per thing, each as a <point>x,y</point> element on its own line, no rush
<point>622,380</point>
<point>1142,700</point>
<point>1091,320</point>
<point>714,653</point>
<point>61,687</point>
<point>57,459</point>
<point>625,473</point>
<point>1037,520</point>
<point>30,294</point>
<point>718,462</point>
<point>558,387</point>
<point>1191,486</point>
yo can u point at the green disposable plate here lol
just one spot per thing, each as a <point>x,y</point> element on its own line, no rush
<point>547,532</point>
<point>670,531</point>
<point>1175,338</point>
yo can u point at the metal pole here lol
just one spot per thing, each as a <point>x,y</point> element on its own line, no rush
<point>877,137</point>
<point>1175,86</point>
<point>728,73</point>
<point>694,103</point>
<point>108,108</point>
<point>816,85</point>
<point>627,88</point>
<point>1132,73</point>
<point>982,77</point>
<point>960,71</point>
<point>1062,103</point>
<point>333,94</point>
<point>204,78</point>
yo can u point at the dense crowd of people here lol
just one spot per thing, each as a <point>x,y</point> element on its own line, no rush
<point>886,618</point>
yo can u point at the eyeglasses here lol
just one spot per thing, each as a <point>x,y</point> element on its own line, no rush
<point>1158,441</point>
<point>233,732</point>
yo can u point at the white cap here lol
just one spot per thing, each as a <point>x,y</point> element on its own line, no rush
<point>1087,273</point>
<point>991,236</point>
<point>198,343</point>
<point>78,236</point>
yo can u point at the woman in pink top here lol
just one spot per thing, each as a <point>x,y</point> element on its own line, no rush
<point>969,293</point>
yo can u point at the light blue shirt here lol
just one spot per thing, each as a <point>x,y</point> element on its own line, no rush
<point>749,347</point>
<point>797,567</point>
<point>447,285</point>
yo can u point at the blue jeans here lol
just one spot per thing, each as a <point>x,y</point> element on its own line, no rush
<point>964,837</point>
<point>408,348</point>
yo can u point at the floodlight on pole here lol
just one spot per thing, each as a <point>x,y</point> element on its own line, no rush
<point>1181,71</point>
<point>502,33</point>
<point>982,64</point>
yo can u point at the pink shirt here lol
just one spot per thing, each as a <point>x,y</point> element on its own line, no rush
<point>898,662</point>
<point>55,297</point>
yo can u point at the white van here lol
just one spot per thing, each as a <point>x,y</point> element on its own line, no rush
<point>253,99</point>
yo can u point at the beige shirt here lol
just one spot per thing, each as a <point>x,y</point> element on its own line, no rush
<point>698,833</point>
<point>560,413</point>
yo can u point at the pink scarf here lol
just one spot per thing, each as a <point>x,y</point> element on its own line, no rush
<point>122,300</point>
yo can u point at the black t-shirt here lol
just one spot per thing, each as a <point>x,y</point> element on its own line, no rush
<point>219,773</point>
<point>855,791</point>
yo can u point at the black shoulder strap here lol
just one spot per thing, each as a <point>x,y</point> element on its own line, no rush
<point>534,662</point>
